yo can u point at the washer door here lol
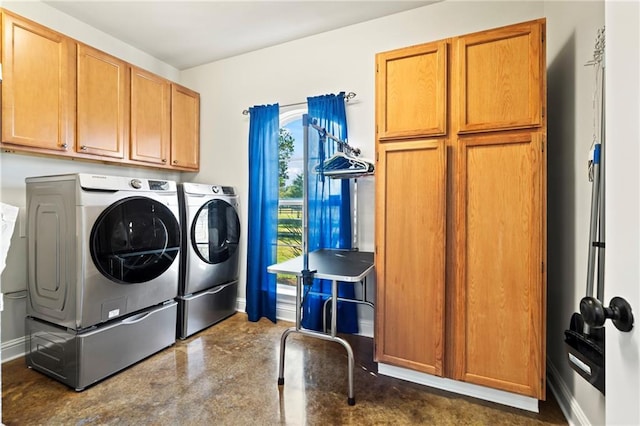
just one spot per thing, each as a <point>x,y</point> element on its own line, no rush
<point>215,232</point>
<point>135,240</point>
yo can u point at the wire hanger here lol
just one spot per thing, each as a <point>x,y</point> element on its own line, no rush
<point>344,163</point>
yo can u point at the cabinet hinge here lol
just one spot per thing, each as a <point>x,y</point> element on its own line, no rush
<point>377,156</point>
<point>377,67</point>
<point>542,145</point>
<point>543,267</point>
<point>542,35</point>
<point>543,112</point>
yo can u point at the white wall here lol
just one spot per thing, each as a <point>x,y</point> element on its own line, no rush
<point>571,34</point>
<point>65,24</point>
<point>338,60</point>
<point>14,168</point>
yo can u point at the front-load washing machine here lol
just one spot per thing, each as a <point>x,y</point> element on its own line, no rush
<point>103,269</point>
<point>209,264</point>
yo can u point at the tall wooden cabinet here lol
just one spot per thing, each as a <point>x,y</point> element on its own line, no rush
<point>461,208</point>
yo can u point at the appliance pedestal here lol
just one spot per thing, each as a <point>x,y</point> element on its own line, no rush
<point>81,358</point>
<point>200,310</point>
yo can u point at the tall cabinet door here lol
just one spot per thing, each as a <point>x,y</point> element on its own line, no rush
<point>38,87</point>
<point>499,284</point>
<point>103,100</point>
<point>150,117</point>
<point>410,254</point>
<point>500,310</point>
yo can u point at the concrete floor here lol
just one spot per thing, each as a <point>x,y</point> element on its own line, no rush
<point>227,375</point>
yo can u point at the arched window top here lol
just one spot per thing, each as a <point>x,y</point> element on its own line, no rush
<point>293,114</point>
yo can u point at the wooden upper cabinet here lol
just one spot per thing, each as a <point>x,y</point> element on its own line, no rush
<point>410,254</point>
<point>38,87</point>
<point>185,127</point>
<point>501,75</point>
<point>102,111</point>
<point>411,91</point>
<point>150,131</point>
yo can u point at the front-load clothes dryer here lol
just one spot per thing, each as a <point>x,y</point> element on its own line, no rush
<point>103,254</point>
<point>209,265</point>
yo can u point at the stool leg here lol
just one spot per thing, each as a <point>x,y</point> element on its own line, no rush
<point>283,342</point>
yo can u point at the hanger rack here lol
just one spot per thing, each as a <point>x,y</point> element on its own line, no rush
<point>336,265</point>
<point>345,163</point>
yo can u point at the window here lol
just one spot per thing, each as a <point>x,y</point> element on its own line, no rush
<point>291,162</point>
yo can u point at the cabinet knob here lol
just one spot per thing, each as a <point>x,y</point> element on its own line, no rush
<point>64,146</point>
<point>83,148</point>
<point>164,160</point>
<point>175,161</point>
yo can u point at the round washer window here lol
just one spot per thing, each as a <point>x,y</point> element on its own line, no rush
<point>135,240</point>
<point>215,231</point>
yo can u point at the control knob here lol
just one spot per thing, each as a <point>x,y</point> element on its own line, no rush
<point>136,183</point>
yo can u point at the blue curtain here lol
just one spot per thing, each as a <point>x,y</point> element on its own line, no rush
<point>329,211</point>
<point>263,211</point>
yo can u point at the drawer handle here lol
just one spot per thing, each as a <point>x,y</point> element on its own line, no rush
<point>137,318</point>
<point>219,288</point>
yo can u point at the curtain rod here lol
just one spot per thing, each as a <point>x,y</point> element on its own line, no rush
<point>347,98</point>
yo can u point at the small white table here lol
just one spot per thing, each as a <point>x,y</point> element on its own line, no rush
<point>335,265</point>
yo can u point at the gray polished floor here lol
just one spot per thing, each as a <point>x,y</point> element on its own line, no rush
<point>227,375</point>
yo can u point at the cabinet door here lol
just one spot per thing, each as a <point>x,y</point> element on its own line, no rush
<point>499,309</point>
<point>102,103</point>
<point>411,91</point>
<point>38,87</point>
<point>501,78</point>
<point>185,127</point>
<point>410,254</point>
<point>150,117</point>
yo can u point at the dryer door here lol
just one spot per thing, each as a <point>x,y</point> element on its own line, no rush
<point>215,232</point>
<point>135,240</point>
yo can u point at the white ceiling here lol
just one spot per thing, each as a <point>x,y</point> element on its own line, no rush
<point>185,34</point>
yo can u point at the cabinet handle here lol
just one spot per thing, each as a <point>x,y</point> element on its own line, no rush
<point>164,160</point>
<point>175,161</point>
<point>64,146</point>
<point>83,148</point>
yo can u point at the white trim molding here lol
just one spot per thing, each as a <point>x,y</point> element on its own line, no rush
<point>468,389</point>
<point>568,404</point>
<point>13,349</point>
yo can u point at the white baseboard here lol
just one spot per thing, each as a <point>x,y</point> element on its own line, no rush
<point>13,349</point>
<point>568,404</point>
<point>468,389</point>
